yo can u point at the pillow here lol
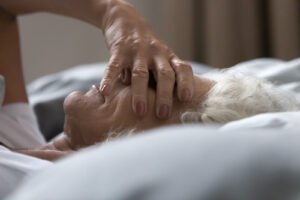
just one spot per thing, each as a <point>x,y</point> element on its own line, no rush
<point>2,89</point>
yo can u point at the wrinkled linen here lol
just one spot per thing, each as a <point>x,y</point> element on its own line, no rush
<point>18,129</point>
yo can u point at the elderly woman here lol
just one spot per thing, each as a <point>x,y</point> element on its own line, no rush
<point>133,48</point>
<point>92,117</point>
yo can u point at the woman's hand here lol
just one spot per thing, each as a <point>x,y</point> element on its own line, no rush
<point>59,148</point>
<point>45,154</point>
<point>134,48</point>
<point>134,51</point>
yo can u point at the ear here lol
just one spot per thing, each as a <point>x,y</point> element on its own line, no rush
<point>191,117</point>
<point>206,119</point>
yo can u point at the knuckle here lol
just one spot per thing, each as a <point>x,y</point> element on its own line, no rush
<point>110,74</point>
<point>141,72</point>
<point>135,44</point>
<point>120,41</point>
<point>183,66</point>
<point>154,44</point>
<point>107,79</point>
<point>167,73</point>
<point>182,84</point>
<point>115,65</point>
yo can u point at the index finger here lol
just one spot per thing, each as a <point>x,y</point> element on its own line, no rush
<point>165,84</point>
<point>139,79</point>
<point>111,74</point>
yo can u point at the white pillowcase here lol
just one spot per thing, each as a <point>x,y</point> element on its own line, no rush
<point>2,89</point>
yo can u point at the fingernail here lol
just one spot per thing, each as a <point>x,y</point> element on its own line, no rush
<point>105,90</point>
<point>140,108</point>
<point>163,111</point>
<point>186,96</point>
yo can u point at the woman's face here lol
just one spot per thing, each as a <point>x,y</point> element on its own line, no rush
<point>90,117</point>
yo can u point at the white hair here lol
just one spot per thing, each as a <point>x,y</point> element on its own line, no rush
<point>237,96</point>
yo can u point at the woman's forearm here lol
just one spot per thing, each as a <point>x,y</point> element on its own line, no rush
<point>90,11</point>
<point>133,47</point>
<point>10,59</point>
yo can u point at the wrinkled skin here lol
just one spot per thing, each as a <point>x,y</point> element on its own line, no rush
<point>134,48</point>
<point>91,117</point>
<point>134,51</point>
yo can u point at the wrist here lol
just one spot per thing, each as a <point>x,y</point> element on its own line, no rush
<point>120,21</point>
<point>111,11</point>
<point>93,11</point>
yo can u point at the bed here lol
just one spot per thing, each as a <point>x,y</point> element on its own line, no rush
<point>256,158</point>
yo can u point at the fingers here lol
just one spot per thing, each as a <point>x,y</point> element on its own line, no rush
<point>184,79</point>
<point>139,79</point>
<point>112,72</point>
<point>167,67</point>
<point>165,77</point>
<point>126,77</point>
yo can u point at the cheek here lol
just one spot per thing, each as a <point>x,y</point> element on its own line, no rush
<point>126,118</point>
<point>123,117</point>
<point>121,109</point>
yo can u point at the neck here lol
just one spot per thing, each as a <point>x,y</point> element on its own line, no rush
<point>73,134</point>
